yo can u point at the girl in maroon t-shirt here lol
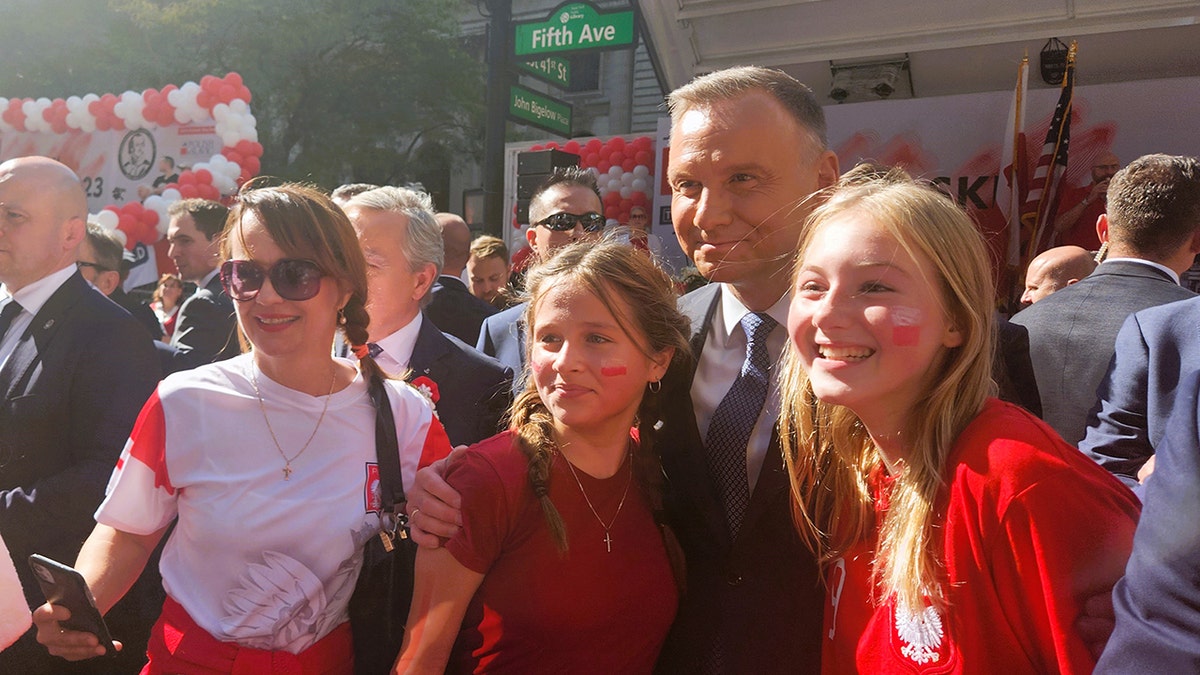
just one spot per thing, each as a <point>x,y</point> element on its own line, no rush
<point>561,564</point>
<point>958,533</point>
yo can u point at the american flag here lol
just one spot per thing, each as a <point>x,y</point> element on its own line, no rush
<point>1045,188</point>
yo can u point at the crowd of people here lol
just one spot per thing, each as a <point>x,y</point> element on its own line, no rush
<point>834,457</point>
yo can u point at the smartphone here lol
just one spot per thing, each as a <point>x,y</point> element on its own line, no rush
<point>62,585</point>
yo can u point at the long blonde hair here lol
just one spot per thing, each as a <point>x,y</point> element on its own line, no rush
<point>829,455</point>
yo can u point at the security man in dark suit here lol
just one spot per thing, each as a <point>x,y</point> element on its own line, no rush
<point>206,330</point>
<point>75,369</point>
<point>451,306</point>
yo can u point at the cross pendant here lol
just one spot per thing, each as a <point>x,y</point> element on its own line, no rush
<point>287,471</point>
<point>607,541</point>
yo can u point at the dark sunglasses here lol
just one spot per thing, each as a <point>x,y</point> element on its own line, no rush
<point>565,222</point>
<point>293,279</point>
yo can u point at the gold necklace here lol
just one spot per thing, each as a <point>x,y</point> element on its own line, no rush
<point>607,536</point>
<point>287,461</point>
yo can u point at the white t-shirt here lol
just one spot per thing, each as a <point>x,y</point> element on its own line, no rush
<point>255,559</point>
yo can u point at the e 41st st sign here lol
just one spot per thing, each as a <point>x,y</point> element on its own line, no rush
<point>544,112</point>
<point>572,27</point>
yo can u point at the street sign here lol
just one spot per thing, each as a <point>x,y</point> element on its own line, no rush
<point>549,69</point>
<point>544,112</point>
<point>573,27</point>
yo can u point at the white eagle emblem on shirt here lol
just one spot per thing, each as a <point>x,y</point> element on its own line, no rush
<point>921,633</point>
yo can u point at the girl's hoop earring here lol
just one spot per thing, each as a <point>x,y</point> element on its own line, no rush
<point>655,386</point>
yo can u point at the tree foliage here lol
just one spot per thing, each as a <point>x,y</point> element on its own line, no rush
<point>344,90</point>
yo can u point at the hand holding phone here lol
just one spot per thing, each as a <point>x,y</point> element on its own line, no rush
<point>66,588</point>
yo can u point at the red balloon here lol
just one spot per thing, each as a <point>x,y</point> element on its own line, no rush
<point>233,78</point>
<point>553,145</point>
<point>244,94</point>
<point>616,157</point>
<point>591,159</point>
<point>594,145</point>
<point>612,198</point>
<point>187,178</point>
<point>234,156</point>
<point>612,213</point>
<point>639,199</point>
<point>571,146</point>
<point>149,217</point>
<point>253,166</point>
<point>188,190</point>
<point>603,166</point>
<point>628,164</point>
<point>205,100</point>
<point>537,148</point>
<point>132,208</point>
<point>624,206</point>
<point>227,93</point>
<point>207,81</point>
<point>616,143</point>
<point>203,176</point>
<point>643,157</point>
<point>126,222</point>
<point>643,143</point>
<point>208,191</point>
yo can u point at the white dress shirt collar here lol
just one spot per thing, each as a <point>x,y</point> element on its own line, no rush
<point>398,347</point>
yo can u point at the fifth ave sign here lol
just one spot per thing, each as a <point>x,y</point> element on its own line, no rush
<point>575,26</point>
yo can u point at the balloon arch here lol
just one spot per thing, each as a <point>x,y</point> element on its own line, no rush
<point>223,102</point>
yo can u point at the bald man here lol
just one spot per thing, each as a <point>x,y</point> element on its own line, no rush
<point>1056,268</point>
<point>75,370</point>
<point>451,306</point>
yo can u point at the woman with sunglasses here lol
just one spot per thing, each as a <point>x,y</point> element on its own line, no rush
<point>265,460</point>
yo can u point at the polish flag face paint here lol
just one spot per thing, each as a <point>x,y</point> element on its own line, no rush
<point>906,326</point>
<point>613,371</point>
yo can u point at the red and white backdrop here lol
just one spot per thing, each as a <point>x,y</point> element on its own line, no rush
<point>116,143</point>
<point>956,140</point>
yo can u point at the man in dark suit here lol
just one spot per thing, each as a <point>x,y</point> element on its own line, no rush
<point>100,258</point>
<point>1152,237</point>
<point>1157,601</point>
<point>748,153</point>
<point>451,306</point>
<point>569,194</point>
<point>75,369</point>
<point>206,329</point>
<point>403,246</point>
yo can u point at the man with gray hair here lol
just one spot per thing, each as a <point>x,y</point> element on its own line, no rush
<point>451,306</point>
<point>402,243</point>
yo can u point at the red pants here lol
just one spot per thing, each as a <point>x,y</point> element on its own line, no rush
<point>180,647</point>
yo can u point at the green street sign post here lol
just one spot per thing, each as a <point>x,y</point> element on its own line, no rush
<point>573,27</point>
<point>550,69</point>
<point>544,112</point>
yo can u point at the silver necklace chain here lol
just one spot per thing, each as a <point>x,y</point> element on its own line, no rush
<point>287,461</point>
<point>620,505</point>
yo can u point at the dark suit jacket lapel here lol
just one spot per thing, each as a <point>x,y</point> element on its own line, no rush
<point>430,346</point>
<point>691,468</point>
<point>37,337</point>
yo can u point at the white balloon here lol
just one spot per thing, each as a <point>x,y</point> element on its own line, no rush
<point>614,185</point>
<point>175,97</point>
<point>107,219</point>
<point>230,138</point>
<point>639,185</point>
<point>4,126</point>
<point>627,178</point>
<point>220,112</point>
<point>121,235</point>
<point>171,195</point>
<point>615,171</point>
<point>626,192</point>
<point>641,171</point>
<point>239,106</point>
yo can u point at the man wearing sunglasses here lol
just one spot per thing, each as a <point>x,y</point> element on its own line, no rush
<point>564,209</point>
<point>101,255</point>
<point>206,329</point>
